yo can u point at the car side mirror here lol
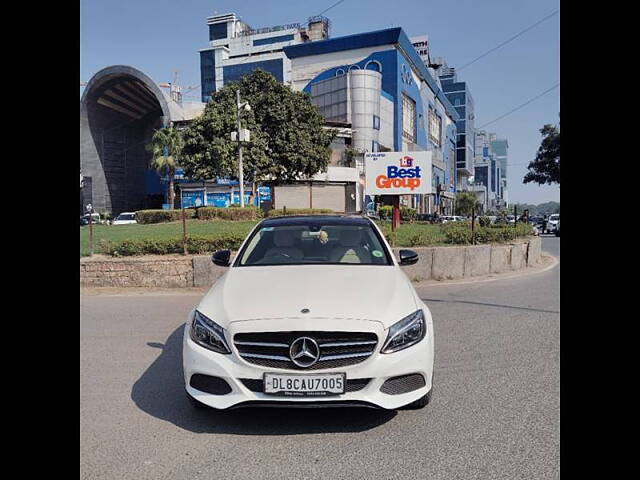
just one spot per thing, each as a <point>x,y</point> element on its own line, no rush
<point>408,257</point>
<point>221,257</point>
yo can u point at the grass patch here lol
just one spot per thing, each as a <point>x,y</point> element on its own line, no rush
<point>414,234</point>
<point>205,235</point>
<point>160,231</point>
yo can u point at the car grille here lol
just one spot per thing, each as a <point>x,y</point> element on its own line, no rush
<point>353,385</point>
<point>337,349</point>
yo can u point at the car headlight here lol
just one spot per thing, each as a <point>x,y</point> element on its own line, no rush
<point>208,334</point>
<point>408,331</point>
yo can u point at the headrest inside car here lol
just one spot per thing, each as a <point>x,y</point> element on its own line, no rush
<point>284,238</point>
<point>350,237</point>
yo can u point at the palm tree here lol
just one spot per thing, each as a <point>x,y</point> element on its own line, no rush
<point>166,147</point>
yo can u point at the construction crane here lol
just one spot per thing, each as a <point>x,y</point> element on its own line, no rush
<point>175,90</point>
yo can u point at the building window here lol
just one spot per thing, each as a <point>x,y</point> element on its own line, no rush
<point>339,72</point>
<point>435,127</point>
<point>207,74</point>
<point>268,40</point>
<point>217,31</point>
<point>234,73</point>
<point>375,146</point>
<point>354,67</point>
<point>408,118</point>
<point>376,122</point>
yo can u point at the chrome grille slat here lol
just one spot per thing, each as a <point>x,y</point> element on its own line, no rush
<point>324,358</point>
<point>266,357</point>
<point>264,344</point>
<point>346,344</point>
<point>337,349</point>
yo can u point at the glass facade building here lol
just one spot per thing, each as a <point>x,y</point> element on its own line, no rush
<point>460,97</point>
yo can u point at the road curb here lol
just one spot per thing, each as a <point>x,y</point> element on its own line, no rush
<point>199,291</point>
<point>545,257</point>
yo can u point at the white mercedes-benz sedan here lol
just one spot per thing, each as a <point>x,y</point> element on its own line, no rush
<point>313,311</point>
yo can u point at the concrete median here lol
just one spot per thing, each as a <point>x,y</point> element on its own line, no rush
<point>434,263</point>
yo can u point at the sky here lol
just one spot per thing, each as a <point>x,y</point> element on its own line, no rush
<point>162,36</point>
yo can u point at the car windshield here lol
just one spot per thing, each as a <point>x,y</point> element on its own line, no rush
<point>314,242</point>
<point>126,216</point>
<point>554,217</point>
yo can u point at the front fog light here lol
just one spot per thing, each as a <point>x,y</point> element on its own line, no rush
<point>208,334</point>
<point>408,331</point>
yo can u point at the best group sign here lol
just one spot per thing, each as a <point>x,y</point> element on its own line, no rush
<point>397,173</point>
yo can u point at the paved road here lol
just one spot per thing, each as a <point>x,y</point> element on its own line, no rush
<point>494,413</point>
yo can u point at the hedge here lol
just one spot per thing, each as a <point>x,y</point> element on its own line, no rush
<point>407,214</point>
<point>459,233</point>
<point>298,211</point>
<point>160,216</point>
<point>232,213</point>
<point>195,245</point>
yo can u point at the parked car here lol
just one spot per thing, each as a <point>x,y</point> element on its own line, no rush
<point>95,219</point>
<point>451,218</point>
<point>333,320</point>
<point>428,217</point>
<point>552,222</point>
<point>125,218</point>
<point>557,230</point>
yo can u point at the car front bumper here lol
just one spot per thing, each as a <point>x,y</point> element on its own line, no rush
<point>378,367</point>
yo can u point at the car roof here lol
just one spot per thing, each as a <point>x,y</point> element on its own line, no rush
<point>322,219</point>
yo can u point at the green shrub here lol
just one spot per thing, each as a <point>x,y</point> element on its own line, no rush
<point>484,221</point>
<point>195,245</point>
<point>459,233</point>
<point>385,212</point>
<point>160,216</point>
<point>235,214</point>
<point>298,211</point>
<point>407,214</point>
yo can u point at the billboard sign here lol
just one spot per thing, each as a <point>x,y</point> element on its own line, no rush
<point>398,173</point>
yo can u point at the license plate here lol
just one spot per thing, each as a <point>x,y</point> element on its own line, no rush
<point>304,385</point>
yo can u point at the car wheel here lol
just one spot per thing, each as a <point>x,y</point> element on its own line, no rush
<point>196,404</point>
<point>421,402</point>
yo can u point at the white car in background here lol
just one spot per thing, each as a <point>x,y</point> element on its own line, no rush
<point>313,311</point>
<point>451,218</point>
<point>552,222</point>
<point>125,218</point>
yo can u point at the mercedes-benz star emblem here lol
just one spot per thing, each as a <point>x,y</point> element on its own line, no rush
<point>304,352</point>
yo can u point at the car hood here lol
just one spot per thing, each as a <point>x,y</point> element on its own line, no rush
<point>381,293</point>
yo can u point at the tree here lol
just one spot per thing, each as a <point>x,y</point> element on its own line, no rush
<point>288,141</point>
<point>546,166</point>
<point>166,148</point>
<point>466,202</point>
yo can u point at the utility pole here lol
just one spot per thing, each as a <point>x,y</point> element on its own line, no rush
<point>240,166</point>
<point>240,107</point>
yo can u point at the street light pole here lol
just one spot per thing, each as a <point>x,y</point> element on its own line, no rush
<point>240,166</point>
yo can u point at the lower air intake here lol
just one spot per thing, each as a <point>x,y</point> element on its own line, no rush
<point>209,384</point>
<point>403,384</point>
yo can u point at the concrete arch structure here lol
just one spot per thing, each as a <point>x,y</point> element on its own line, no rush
<point>120,109</point>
